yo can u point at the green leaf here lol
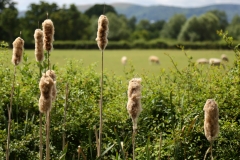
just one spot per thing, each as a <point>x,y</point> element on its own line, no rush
<point>63,153</point>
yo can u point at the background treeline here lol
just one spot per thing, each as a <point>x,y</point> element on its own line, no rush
<point>71,25</point>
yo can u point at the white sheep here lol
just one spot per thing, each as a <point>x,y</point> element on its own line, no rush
<point>124,60</point>
<point>224,57</point>
<point>202,61</point>
<point>154,59</point>
<point>215,62</point>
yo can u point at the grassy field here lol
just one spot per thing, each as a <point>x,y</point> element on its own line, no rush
<point>138,58</point>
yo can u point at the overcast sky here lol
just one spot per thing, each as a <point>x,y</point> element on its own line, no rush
<point>23,4</point>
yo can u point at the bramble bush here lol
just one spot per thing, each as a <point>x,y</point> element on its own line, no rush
<point>169,127</point>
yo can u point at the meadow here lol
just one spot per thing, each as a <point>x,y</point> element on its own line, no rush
<point>137,58</point>
<point>170,125</point>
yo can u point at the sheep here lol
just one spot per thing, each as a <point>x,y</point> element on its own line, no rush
<point>124,60</point>
<point>202,61</point>
<point>224,57</point>
<point>154,59</point>
<point>215,62</point>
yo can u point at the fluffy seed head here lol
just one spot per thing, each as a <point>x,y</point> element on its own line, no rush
<point>134,107</point>
<point>102,32</point>
<point>52,74</point>
<point>38,37</point>
<point>48,34</point>
<point>18,46</point>
<point>45,85</point>
<point>211,125</point>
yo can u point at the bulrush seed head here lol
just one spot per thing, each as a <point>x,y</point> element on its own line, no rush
<point>38,37</point>
<point>211,114</point>
<point>52,74</point>
<point>134,100</point>
<point>102,32</point>
<point>18,46</point>
<point>48,34</point>
<point>46,86</point>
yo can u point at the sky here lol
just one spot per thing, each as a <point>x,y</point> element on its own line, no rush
<point>23,4</point>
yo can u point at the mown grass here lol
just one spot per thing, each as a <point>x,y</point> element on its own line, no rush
<point>137,58</point>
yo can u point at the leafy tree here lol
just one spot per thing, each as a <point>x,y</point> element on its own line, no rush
<point>201,28</point>
<point>222,17</point>
<point>142,30</point>
<point>155,29</point>
<point>8,20</point>
<point>172,28</point>
<point>7,4</point>
<point>118,28</point>
<point>234,27</point>
<point>99,9</point>
<point>71,24</point>
<point>132,23</point>
<point>34,17</point>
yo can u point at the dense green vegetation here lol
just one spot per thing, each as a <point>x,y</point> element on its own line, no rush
<point>172,107</point>
<point>74,25</point>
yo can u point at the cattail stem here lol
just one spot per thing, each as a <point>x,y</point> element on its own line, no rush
<point>97,141</point>
<point>101,107</point>
<point>48,55</point>
<point>160,147</point>
<point>133,143</point>
<point>40,123</point>
<point>211,150</point>
<point>40,137</point>
<point>9,115</point>
<point>47,135</point>
<point>65,112</point>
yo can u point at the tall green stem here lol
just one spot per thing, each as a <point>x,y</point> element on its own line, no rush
<point>47,135</point>
<point>133,143</point>
<point>9,115</point>
<point>40,125</point>
<point>101,107</point>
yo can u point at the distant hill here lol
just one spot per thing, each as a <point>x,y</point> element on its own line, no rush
<point>161,12</point>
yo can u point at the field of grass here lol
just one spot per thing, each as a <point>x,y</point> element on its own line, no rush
<point>138,58</point>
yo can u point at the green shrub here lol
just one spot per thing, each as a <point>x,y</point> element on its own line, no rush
<point>172,106</point>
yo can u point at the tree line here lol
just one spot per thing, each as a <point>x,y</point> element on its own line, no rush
<point>71,24</point>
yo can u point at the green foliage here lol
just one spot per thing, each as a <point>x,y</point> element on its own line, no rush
<point>192,30</point>
<point>99,9</point>
<point>172,28</point>
<point>172,106</point>
<point>234,27</point>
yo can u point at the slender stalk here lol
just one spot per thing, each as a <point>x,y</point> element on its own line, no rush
<point>97,141</point>
<point>65,112</point>
<point>160,147</point>
<point>40,136</point>
<point>40,123</point>
<point>205,156</point>
<point>133,143</point>
<point>48,135</point>
<point>211,150</point>
<point>101,106</point>
<point>9,115</point>
<point>48,55</point>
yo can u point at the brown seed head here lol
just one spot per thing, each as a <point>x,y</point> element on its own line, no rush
<point>52,74</point>
<point>48,34</point>
<point>134,100</point>
<point>45,85</point>
<point>102,32</point>
<point>211,125</point>
<point>38,36</point>
<point>18,46</point>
